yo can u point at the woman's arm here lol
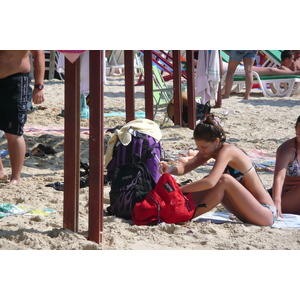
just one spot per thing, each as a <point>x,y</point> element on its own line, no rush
<point>208,182</point>
<point>283,157</point>
<point>181,169</point>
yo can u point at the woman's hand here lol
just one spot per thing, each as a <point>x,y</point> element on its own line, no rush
<point>163,166</point>
<point>278,209</point>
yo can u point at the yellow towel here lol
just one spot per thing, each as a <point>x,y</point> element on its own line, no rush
<point>145,126</point>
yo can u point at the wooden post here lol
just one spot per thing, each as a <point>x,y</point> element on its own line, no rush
<point>148,84</point>
<point>51,64</point>
<point>219,96</point>
<point>129,85</point>
<point>96,152</point>
<point>191,89</point>
<point>72,145</point>
<point>177,88</point>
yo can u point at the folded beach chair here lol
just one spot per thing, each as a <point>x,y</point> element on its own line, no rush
<point>162,93</point>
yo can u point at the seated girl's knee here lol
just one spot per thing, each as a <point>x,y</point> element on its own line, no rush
<point>225,178</point>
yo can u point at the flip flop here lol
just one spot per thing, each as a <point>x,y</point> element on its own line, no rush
<point>59,186</point>
<point>37,152</point>
<point>46,149</point>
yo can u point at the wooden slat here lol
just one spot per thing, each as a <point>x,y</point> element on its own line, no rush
<point>191,89</point>
<point>129,85</point>
<point>72,145</point>
<point>177,88</point>
<point>96,151</point>
<point>148,85</point>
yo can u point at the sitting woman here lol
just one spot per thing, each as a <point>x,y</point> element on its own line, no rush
<point>232,181</point>
<point>286,186</point>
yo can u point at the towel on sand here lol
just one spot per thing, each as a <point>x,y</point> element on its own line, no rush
<point>289,220</point>
<point>7,209</point>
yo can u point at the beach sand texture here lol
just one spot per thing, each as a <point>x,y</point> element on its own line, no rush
<point>261,123</point>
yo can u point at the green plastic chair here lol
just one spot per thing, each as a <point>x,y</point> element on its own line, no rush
<point>162,93</point>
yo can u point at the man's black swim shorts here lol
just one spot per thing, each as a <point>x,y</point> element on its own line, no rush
<point>14,95</point>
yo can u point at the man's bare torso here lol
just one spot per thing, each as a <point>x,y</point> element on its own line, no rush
<point>14,61</point>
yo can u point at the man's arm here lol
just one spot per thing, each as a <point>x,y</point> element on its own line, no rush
<point>39,73</point>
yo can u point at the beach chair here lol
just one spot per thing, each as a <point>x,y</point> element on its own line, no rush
<point>162,93</point>
<point>273,58</point>
<point>273,86</point>
<point>115,62</point>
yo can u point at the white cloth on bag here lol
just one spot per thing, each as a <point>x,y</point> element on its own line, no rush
<point>142,125</point>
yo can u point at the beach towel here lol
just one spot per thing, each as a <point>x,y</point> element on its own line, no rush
<point>207,75</point>
<point>34,129</point>
<point>7,209</point>
<point>289,221</point>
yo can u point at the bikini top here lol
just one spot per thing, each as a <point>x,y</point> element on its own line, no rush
<point>293,169</point>
<point>235,173</point>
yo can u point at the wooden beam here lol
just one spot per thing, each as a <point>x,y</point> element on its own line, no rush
<point>177,88</point>
<point>148,84</point>
<point>72,145</point>
<point>96,151</point>
<point>190,70</point>
<point>129,85</point>
<point>219,96</point>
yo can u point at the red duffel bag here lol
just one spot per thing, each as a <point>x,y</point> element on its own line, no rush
<point>165,203</point>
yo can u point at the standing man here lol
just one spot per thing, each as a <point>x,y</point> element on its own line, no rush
<point>236,56</point>
<point>14,94</point>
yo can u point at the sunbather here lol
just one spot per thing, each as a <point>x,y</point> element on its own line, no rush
<point>232,181</point>
<point>296,64</point>
<point>287,59</point>
<point>286,186</point>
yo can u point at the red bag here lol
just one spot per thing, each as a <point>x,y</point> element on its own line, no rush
<point>166,203</point>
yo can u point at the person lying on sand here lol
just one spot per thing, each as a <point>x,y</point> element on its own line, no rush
<point>232,181</point>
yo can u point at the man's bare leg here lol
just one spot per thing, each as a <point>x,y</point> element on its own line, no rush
<point>17,150</point>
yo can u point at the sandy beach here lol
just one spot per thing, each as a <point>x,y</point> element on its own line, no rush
<point>261,123</point>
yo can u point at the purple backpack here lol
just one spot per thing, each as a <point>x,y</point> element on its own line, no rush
<point>142,148</point>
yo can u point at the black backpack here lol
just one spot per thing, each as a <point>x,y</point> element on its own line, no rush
<point>130,184</point>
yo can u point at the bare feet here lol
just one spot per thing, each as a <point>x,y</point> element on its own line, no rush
<point>14,181</point>
<point>3,176</point>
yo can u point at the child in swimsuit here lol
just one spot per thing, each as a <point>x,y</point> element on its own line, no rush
<point>286,185</point>
<point>247,199</point>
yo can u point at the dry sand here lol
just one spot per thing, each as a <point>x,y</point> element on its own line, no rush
<point>261,123</point>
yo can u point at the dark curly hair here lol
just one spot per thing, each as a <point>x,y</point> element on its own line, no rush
<point>209,130</point>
